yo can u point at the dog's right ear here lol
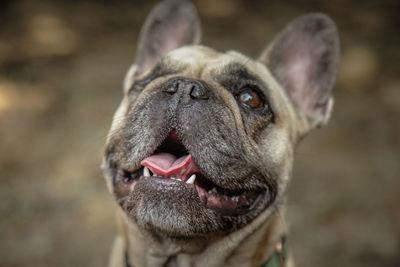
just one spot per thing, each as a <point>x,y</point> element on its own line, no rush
<point>170,25</point>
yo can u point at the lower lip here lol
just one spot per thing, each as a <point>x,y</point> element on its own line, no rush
<point>212,201</point>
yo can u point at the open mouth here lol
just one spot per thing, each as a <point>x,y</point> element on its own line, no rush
<point>172,163</point>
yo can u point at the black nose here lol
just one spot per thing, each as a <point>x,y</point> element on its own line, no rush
<point>196,89</point>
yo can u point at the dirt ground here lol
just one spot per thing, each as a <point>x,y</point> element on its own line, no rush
<point>61,70</point>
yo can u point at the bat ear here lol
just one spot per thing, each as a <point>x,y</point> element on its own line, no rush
<point>304,58</point>
<point>171,24</point>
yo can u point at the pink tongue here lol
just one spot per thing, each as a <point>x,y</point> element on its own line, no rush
<point>167,165</point>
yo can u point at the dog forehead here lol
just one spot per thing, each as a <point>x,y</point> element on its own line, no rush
<point>202,59</point>
<point>193,55</point>
<point>204,62</point>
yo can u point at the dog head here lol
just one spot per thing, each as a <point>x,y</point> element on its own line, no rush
<point>203,141</point>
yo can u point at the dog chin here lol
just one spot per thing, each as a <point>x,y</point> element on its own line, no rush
<point>174,209</point>
<point>170,208</point>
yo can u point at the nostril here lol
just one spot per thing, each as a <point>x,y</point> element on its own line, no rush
<point>198,91</point>
<point>173,87</point>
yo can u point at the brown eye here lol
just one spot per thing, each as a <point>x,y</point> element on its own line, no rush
<point>251,99</point>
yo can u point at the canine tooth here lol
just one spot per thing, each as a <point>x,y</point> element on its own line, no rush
<point>146,172</point>
<point>191,179</point>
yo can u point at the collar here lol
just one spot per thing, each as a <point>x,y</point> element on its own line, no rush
<point>277,259</point>
<point>280,255</point>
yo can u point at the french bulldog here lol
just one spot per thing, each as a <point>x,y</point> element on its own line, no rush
<point>200,150</point>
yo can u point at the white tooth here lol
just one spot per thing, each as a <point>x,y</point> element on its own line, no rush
<point>146,172</point>
<point>191,179</point>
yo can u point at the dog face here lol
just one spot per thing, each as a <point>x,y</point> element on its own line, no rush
<point>203,141</point>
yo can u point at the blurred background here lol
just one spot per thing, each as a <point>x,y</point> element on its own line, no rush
<point>61,70</point>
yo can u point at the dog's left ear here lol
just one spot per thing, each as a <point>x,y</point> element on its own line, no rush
<point>171,24</point>
<point>304,58</point>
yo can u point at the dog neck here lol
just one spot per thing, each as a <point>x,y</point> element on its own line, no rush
<point>251,246</point>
